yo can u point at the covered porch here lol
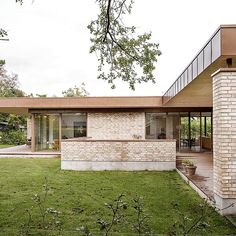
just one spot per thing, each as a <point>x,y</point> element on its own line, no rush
<point>203,179</point>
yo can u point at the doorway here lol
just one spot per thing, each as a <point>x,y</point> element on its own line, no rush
<point>195,131</point>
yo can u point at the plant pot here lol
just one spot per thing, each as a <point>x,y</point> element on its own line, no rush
<point>185,168</point>
<point>178,162</point>
<point>191,170</point>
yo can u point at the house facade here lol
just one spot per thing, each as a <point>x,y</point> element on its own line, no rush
<point>197,113</point>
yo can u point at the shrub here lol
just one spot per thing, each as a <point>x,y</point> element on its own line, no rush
<point>15,137</point>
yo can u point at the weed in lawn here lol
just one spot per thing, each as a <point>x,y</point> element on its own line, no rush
<point>49,217</point>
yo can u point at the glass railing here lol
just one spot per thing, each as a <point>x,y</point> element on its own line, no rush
<point>208,54</point>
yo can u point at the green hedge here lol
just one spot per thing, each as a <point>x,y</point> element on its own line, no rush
<point>14,137</point>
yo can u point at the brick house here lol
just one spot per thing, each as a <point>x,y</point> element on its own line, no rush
<point>197,113</point>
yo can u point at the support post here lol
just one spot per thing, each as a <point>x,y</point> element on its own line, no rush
<point>189,131</point>
<point>200,132</point>
<point>60,131</point>
<point>224,139</point>
<point>33,133</point>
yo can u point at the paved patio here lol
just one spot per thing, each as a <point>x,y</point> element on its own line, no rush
<point>203,178</point>
<point>24,151</point>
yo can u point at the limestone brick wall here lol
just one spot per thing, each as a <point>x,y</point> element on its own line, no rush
<point>119,151</point>
<point>118,155</point>
<point>116,125</point>
<point>224,134</point>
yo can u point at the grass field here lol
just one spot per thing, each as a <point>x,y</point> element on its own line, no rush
<point>80,197</point>
<point>6,145</point>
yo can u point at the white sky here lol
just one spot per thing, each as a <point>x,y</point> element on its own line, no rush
<point>49,41</point>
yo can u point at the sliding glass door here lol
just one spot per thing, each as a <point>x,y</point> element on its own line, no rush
<point>51,128</point>
<point>46,132</point>
<point>195,131</point>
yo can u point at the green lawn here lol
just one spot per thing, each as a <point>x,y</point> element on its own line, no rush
<point>80,197</point>
<point>6,145</point>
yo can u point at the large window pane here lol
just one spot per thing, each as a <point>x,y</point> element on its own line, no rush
<point>184,130</point>
<point>74,125</point>
<point>162,126</point>
<point>155,125</point>
<point>172,126</point>
<point>47,132</point>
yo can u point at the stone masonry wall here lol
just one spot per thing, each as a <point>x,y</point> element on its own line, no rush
<point>224,134</point>
<point>119,150</point>
<point>116,125</point>
<point>118,155</point>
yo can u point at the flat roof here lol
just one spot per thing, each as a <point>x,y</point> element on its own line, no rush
<point>193,88</point>
<point>22,105</point>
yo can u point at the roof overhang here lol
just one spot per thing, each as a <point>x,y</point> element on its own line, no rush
<point>25,105</point>
<point>192,89</point>
<point>194,86</point>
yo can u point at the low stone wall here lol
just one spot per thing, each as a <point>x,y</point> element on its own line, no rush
<point>118,154</point>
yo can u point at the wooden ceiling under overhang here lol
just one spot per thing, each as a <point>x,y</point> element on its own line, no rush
<point>198,92</point>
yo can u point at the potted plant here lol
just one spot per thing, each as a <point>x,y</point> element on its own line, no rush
<point>191,169</point>
<point>179,162</point>
<point>185,163</point>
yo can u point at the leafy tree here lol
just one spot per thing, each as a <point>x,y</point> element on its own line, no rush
<point>3,33</point>
<point>122,54</point>
<point>9,84</point>
<point>9,87</point>
<point>41,95</point>
<point>77,91</point>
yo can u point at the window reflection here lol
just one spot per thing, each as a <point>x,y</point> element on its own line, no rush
<point>162,126</point>
<point>47,132</point>
<point>73,125</point>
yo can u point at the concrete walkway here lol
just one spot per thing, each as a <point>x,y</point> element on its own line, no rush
<point>24,151</point>
<point>20,148</point>
<point>204,173</point>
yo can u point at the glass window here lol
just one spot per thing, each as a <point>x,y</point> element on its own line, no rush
<point>172,126</point>
<point>73,125</point>
<point>206,124</point>
<point>46,132</point>
<point>155,125</point>
<point>162,126</point>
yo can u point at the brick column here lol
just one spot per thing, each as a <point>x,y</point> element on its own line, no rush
<point>224,139</point>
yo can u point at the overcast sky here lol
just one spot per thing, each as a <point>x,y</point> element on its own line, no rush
<point>49,41</point>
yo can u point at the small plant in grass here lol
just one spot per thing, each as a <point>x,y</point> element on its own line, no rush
<point>116,207</point>
<point>185,225</point>
<point>48,218</point>
<point>141,226</point>
<point>84,230</point>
